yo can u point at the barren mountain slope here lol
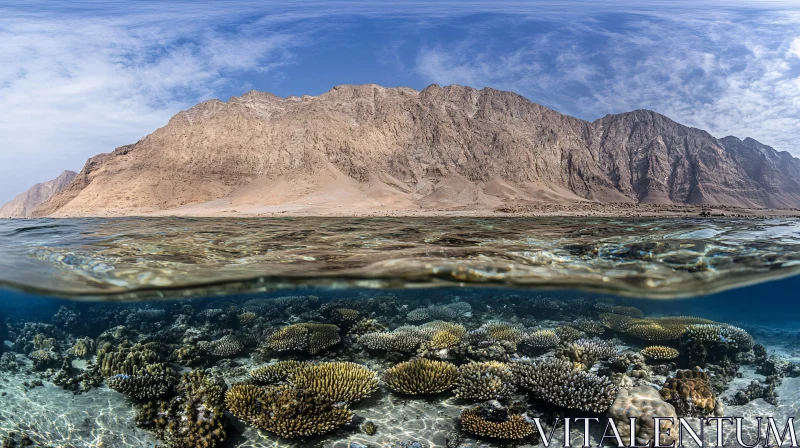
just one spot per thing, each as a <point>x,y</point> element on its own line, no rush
<point>25,203</point>
<point>396,148</point>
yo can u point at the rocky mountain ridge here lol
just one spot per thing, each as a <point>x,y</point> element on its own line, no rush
<point>366,147</point>
<point>24,204</point>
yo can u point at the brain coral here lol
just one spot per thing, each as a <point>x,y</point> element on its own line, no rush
<point>643,403</point>
<point>690,393</point>
<point>421,376</point>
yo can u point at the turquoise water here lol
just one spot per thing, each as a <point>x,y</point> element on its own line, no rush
<point>176,332</point>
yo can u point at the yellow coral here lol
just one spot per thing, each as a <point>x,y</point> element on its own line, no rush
<point>421,376</point>
<point>512,427</point>
<point>337,381</point>
<point>660,352</point>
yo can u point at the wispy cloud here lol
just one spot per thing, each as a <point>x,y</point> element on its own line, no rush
<point>730,72</point>
<point>76,83</point>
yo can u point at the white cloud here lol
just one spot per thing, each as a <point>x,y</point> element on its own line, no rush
<point>794,48</point>
<point>78,85</point>
<point>729,74</point>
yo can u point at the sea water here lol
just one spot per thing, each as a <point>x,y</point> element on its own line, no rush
<point>139,332</point>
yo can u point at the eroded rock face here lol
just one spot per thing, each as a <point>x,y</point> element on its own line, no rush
<point>448,147</point>
<point>644,403</point>
<point>23,205</point>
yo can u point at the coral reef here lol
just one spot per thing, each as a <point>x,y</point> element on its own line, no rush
<point>142,387</point>
<point>585,352</point>
<point>83,348</point>
<point>390,342</point>
<point>493,420</point>
<point>558,382</point>
<point>589,356</point>
<point>285,411</point>
<point>421,376</point>
<point>277,371</point>
<point>720,333</point>
<point>336,381</point>
<point>567,333</point>
<point>690,393</point>
<point>542,339</point>
<point>307,337</point>
<point>660,352</point>
<point>489,380</point>
<point>193,417</point>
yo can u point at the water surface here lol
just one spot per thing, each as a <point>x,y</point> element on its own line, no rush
<point>172,257</point>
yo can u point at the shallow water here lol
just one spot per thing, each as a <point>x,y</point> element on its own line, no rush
<point>136,258</point>
<point>66,366</point>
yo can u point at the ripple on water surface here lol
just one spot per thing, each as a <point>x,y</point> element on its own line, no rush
<point>156,257</point>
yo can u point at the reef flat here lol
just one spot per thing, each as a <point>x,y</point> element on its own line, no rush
<point>361,368</point>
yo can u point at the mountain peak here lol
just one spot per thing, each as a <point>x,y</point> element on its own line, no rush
<point>368,147</point>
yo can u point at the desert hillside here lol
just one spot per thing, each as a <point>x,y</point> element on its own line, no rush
<point>370,148</point>
<point>24,204</point>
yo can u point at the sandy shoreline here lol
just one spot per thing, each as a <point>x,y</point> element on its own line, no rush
<point>217,209</point>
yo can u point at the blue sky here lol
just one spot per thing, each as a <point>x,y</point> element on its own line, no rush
<point>83,77</point>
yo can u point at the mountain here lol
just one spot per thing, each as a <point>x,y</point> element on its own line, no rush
<point>367,148</point>
<point>24,204</point>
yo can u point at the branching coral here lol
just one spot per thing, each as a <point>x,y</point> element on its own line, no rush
<point>421,376</point>
<point>502,331</point>
<point>495,421</point>
<point>194,417</point>
<point>542,339</point>
<point>589,326</point>
<point>627,311</point>
<point>720,333</point>
<point>226,347</point>
<point>310,337</point>
<point>556,381</point>
<point>142,387</point>
<point>129,359</point>
<point>390,342</point>
<point>345,315</point>
<point>585,352</point>
<point>285,411</point>
<point>489,380</point>
<point>365,326</point>
<point>651,329</point>
<point>566,333</point>
<point>336,381</point>
<point>276,371</point>
<point>247,318</point>
<point>660,352</point>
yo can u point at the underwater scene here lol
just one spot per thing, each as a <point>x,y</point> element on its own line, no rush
<point>395,332</point>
